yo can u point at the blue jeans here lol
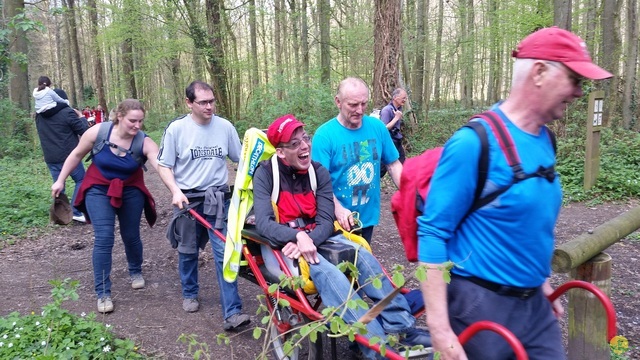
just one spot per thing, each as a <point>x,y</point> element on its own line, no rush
<point>334,288</point>
<point>77,175</point>
<point>103,218</point>
<point>188,267</point>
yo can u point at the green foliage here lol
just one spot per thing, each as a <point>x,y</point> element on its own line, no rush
<point>58,334</point>
<point>26,195</point>
<point>19,137</point>
<point>311,103</point>
<point>619,159</point>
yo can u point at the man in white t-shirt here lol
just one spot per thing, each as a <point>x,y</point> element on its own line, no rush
<point>193,166</point>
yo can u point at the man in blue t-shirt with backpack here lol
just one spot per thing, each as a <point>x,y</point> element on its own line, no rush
<point>504,248</point>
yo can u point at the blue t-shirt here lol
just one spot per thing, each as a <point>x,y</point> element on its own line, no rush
<point>508,241</point>
<point>353,158</point>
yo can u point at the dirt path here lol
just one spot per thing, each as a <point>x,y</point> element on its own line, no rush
<point>154,318</point>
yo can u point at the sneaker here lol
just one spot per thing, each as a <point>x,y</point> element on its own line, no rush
<point>105,305</point>
<point>137,281</point>
<point>414,337</point>
<point>80,218</point>
<point>190,305</point>
<point>235,321</point>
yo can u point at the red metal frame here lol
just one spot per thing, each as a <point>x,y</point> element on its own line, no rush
<point>300,304</point>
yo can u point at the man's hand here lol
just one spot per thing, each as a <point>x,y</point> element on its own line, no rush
<point>307,248</point>
<point>291,250</point>
<point>178,199</point>
<point>558,309</point>
<point>343,215</point>
<point>397,115</point>
<point>447,344</point>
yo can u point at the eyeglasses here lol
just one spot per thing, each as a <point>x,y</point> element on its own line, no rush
<point>295,144</point>
<point>577,80</point>
<point>204,103</point>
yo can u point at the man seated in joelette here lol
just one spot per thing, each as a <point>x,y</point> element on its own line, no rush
<point>306,221</point>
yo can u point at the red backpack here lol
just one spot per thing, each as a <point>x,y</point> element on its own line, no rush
<point>408,202</point>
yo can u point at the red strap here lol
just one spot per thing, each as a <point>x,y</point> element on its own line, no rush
<point>503,136</point>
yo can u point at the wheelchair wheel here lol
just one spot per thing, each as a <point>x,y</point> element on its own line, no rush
<point>284,319</point>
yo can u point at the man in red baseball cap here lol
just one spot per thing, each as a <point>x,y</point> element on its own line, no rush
<point>505,247</point>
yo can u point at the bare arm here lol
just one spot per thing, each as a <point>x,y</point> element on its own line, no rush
<point>395,170</point>
<point>434,291</point>
<point>166,175</point>
<point>84,146</point>
<point>150,150</point>
<point>397,115</point>
<point>343,215</point>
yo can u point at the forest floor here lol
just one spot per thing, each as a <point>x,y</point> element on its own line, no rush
<point>153,316</point>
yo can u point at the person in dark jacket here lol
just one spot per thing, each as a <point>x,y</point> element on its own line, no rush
<point>305,220</point>
<point>59,134</point>
<point>114,186</point>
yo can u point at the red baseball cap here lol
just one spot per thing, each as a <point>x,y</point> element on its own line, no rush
<point>282,128</point>
<point>555,44</point>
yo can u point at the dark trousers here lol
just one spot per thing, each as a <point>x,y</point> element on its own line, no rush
<point>398,144</point>
<point>531,320</point>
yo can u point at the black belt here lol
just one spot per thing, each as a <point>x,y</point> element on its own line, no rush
<point>227,195</point>
<point>300,223</point>
<point>513,291</point>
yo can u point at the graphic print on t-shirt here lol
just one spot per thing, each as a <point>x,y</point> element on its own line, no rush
<point>207,152</point>
<point>361,173</point>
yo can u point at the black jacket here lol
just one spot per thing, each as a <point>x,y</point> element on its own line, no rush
<point>59,134</point>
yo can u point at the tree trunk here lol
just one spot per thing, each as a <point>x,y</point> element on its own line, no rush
<point>562,14</point>
<point>421,48</point>
<point>19,91</point>
<point>97,53</point>
<point>325,50</point>
<point>304,42</point>
<point>277,46</point>
<point>255,75</point>
<point>611,48</point>
<point>295,37</point>
<point>437,71</point>
<point>131,23</point>
<point>215,56</point>
<point>70,73</point>
<point>630,70</point>
<point>77,60</point>
<point>495,54</point>
<point>386,38</point>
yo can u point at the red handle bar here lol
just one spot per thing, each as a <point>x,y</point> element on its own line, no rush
<point>513,341</point>
<point>206,224</point>
<point>606,302</point>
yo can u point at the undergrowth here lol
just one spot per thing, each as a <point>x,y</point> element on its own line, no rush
<point>56,333</point>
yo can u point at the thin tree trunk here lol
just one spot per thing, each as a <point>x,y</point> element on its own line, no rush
<point>69,62</point>
<point>255,76</point>
<point>77,60</point>
<point>277,44</point>
<point>325,50</point>
<point>631,65</point>
<point>421,46</point>
<point>562,14</point>
<point>437,72</point>
<point>304,40</point>
<point>611,45</point>
<point>97,53</point>
<point>295,38</point>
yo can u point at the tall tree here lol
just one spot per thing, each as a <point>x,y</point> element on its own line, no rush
<point>437,72</point>
<point>611,48</point>
<point>421,48</point>
<point>631,65</point>
<point>97,53</point>
<point>304,41</point>
<point>278,46</point>
<point>325,50</point>
<point>131,25</point>
<point>69,62</point>
<point>562,14</point>
<point>467,45</point>
<point>386,38</point>
<point>18,74</point>
<point>75,48</point>
<point>253,36</point>
<point>216,53</point>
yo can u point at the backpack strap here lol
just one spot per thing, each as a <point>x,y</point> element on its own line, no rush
<point>275,191</point>
<point>102,139</point>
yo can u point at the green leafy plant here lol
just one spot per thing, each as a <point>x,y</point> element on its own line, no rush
<point>56,333</point>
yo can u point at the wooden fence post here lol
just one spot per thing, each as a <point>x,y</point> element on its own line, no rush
<point>587,318</point>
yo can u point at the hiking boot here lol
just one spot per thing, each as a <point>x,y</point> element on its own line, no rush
<point>235,321</point>
<point>414,337</point>
<point>137,281</point>
<point>190,305</point>
<point>105,305</point>
<point>80,218</point>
